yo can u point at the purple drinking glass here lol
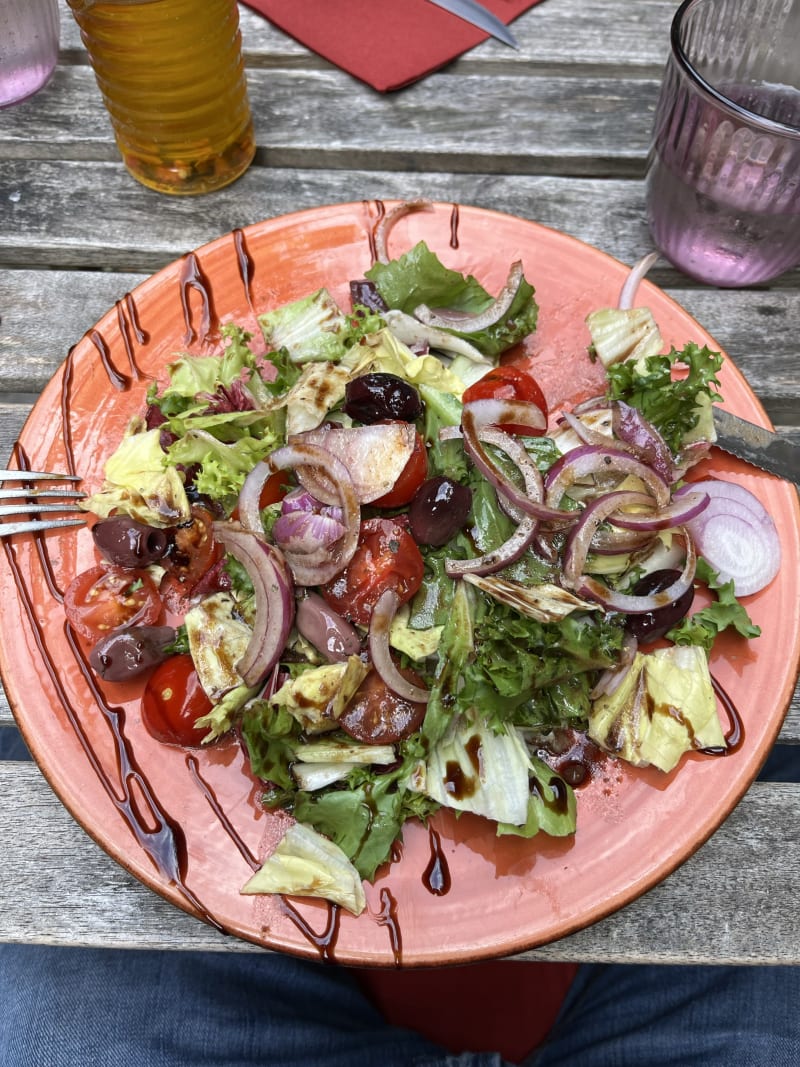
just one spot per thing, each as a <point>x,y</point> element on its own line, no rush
<point>28,47</point>
<point>723,178</point>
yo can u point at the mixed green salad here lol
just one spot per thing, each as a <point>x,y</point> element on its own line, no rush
<point>401,580</point>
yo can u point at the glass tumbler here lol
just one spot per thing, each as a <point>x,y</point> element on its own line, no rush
<point>28,47</point>
<point>723,180</point>
<point>172,77</point>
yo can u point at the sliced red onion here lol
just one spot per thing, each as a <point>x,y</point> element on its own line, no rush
<point>643,439</point>
<point>374,455</point>
<point>302,500</point>
<point>638,271</point>
<point>500,413</point>
<point>387,221</point>
<point>274,612</point>
<point>637,605</point>
<point>316,570</point>
<point>249,504</point>
<point>380,624</point>
<point>451,319</point>
<point>304,532</point>
<point>502,556</point>
<point>735,535</point>
<point>595,460</point>
<point>579,539</point>
<point>678,513</point>
<point>528,501</point>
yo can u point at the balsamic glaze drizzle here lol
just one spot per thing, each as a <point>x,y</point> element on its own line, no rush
<point>213,803</point>
<point>436,877</point>
<point>119,381</point>
<point>325,943</point>
<point>193,278</point>
<point>454,226</point>
<point>247,267</point>
<point>387,917</point>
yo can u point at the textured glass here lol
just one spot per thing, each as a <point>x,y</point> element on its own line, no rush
<point>723,183</point>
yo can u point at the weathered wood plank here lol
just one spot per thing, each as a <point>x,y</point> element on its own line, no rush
<point>50,217</point>
<point>100,904</point>
<point>307,118</point>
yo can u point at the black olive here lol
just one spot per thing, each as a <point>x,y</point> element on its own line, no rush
<point>327,631</point>
<point>125,653</point>
<point>651,625</point>
<point>377,397</point>
<point>128,543</point>
<point>439,510</point>
<point>366,293</point>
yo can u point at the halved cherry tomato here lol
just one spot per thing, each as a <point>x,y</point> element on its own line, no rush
<point>172,700</point>
<point>387,557</point>
<point>508,382</point>
<point>101,599</point>
<point>411,478</point>
<point>193,553</point>
<point>377,716</point>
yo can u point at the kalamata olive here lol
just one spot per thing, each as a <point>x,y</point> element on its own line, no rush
<point>376,397</point>
<point>128,543</point>
<point>439,510</point>
<point>366,293</point>
<point>654,624</point>
<point>125,653</point>
<point>377,716</point>
<point>327,631</point>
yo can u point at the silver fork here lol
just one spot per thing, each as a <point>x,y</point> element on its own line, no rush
<point>36,501</point>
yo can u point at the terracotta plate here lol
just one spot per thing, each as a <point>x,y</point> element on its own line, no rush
<point>188,823</point>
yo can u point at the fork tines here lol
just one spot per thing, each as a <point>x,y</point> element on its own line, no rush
<point>61,500</point>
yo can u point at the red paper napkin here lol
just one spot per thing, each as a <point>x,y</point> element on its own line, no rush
<point>385,43</point>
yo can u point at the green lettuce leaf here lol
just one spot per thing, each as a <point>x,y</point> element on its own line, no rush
<point>419,277</point>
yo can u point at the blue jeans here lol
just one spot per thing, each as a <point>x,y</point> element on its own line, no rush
<point>69,1007</point>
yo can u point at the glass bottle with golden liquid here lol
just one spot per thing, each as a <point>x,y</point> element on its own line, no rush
<point>172,77</point>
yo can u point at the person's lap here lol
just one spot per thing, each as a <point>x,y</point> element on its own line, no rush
<point>69,1006</point>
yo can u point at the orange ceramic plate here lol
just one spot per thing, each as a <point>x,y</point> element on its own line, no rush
<point>188,823</point>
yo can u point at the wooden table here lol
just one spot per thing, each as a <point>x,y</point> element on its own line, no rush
<point>556,132</point>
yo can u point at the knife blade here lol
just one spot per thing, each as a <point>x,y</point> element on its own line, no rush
<point>762,448</point>
<point>478,15</point>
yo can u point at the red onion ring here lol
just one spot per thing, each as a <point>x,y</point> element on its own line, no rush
<point>448,319</point>
<point>275,607</point>
<point>579,539</point>
<point>678,513</point>
<point>637,605</point>
<point>591,459</point>
<point>379,626</point>
<point>387,221</point>
<point>250,498</point>
<point>735,535</point>
<point>312,570</point>
<point>640,268</point>
<point>527,501</point>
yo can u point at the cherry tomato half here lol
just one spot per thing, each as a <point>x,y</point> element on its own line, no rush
<point>377,716</point>
<point>172,700</point>
<point>411,478</point>
<point>101,599</point>
<point>508,382</point>
<point>193,553</point>
<point>387,557</point>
